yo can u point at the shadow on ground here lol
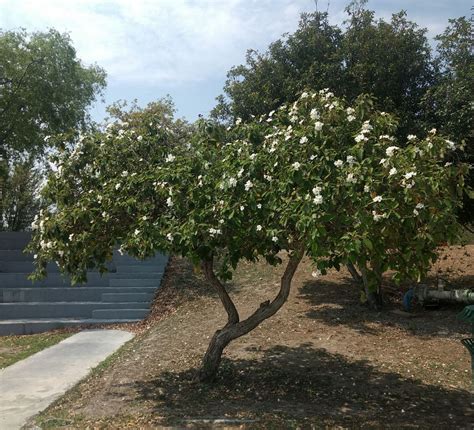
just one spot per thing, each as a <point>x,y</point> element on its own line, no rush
<point>337,303</point>
<point>305,385</point>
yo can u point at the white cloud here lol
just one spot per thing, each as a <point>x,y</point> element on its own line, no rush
<point>159,41</point>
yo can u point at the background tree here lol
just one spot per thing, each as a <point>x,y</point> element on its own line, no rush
<point>449,103</point>
<point>316,177</point>
<point>390,60</point>
<point>45,90</point>
<point>20,198</point>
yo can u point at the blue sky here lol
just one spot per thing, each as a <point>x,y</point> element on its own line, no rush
<point>184,48</point>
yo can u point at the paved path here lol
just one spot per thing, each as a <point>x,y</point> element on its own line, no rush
<point>29,386</point>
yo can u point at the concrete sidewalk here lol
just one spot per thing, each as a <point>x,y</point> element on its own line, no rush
<point>29,386</point>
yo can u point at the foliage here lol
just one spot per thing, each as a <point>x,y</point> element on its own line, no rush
<point>390,60</point>
<point>44,89</point>
<point>19,200</point>
<point>315,176</point>
<point>449,103</point>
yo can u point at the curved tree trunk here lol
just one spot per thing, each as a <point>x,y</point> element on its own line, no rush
<point>235,328</point>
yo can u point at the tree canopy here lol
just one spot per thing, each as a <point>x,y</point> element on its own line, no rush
<point>44,89</point>
<point>316,176</point>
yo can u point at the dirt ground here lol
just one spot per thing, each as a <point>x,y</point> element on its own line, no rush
<point>323,361</point>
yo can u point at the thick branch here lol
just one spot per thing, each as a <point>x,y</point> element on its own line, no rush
<point>232,313</point>
<point>266,310</point>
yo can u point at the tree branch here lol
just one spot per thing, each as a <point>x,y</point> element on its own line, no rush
<point>229,306</point>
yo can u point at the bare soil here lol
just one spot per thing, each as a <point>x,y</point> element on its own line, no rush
<point>323,361</point>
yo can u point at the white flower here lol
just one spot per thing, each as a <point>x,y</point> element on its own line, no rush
<point>136,232</point>
<point>238,120</point>
<point>296,165</point>
<point>240,172</point>
<point>366,127</point>
<point>259,206</point>
<point>117,186</point>
<point>104,214</point>
<point>271,113</point>
<point>366,188</point>
<point>140,138</point>
<point>351,179</point>
<point>338,163</point>
<point>304,139</point>
<point>124,173</point>
<point>170,158</point>
<point>267,178</point>
<point>169,202</point>
<point>392,172</point>
<point>420,206</point>
<point>221,221</point>
<point>232,182</point>
<point>377,199</point>
<point>409,175</point>
<point>350,159</point>
<point>248,185</point>
<point>415,212</point>
<point>242,208</point>
<point>274,239</point>
<point>304,95</point>
<point>253,156</point>
<point>350,111</point>
<point>316,273</point>
<point>144,218</point>
<point>316,190</point>
<point>71,236</point>
<point>391,150</point>
<point>432,131</point>
<point>169,236</point>
<point>318,199</point>
<point>318,125</point>
<point>293,118</point>
<point>314,114</point>
<point>377,217</point>
<point>259,227</point>
<point>451,144</point>
<point>360,137</point>
<point>411,137</point>
<point>350,118</point>
<point>448,164</point>
<point>382,161</point>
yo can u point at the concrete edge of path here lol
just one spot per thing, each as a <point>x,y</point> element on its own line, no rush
<point>31,385</point>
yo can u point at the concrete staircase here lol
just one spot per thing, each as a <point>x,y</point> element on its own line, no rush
<point>122,295</point>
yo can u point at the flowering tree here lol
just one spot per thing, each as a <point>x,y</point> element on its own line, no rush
<point>314,177</point>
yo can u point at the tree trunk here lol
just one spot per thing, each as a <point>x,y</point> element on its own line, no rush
<point>354,273</point>
<point>235,328</point>
<point>373,298</point>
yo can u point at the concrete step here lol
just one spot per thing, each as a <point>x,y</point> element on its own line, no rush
<point>120,314</point>
<point>60,309</point>
<point>148,275</point>
<point>39,325</point>
<point>24,267</point>
<point>137,268</point>
<point>68,294</point>
<point>127,297</point>
<point>14,239</point>
<point>20,280</point>
<point>132,282</point>
<point>14,255</point>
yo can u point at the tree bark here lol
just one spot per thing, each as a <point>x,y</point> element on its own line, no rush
<point>235,328</point>
<point>373,298</point>
<point>354,273</point>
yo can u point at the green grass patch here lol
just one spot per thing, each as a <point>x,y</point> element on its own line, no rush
<point>16,348</point>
